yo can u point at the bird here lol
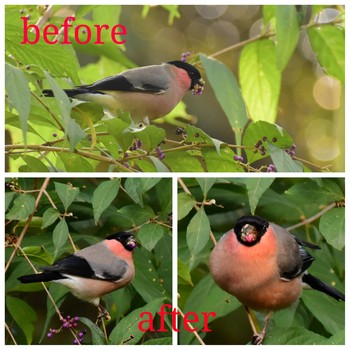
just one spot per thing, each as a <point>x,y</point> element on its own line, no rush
<point>148,92</point>
<point>265,267</point>
<point>93,271</point>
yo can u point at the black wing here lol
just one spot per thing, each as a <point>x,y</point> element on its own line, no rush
<point>72,265</point>
<point>302,264</point>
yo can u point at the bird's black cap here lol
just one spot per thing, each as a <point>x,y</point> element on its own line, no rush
<point>126,239</point>
<point>196,78</point>
<point>250,229</point>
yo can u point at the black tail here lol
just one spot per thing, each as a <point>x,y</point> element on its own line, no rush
<point>48,93</point>
<point>41,277</point>
<point>70,92</point>
<point>317,284</point>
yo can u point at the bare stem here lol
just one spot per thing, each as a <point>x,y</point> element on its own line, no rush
<point>25,228</point>
<point>313,218</point>
<point>192,329</point>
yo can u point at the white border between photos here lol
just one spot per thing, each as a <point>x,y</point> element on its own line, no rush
<point>174,176</point>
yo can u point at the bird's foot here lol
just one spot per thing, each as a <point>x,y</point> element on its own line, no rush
<point>102,314</point>
<point>258,338</point>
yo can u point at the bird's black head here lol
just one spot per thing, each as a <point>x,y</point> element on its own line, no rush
<point>250,229</point>
<point>126,239</point>
<point>197,83</point>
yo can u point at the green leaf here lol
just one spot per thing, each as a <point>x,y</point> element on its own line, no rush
<point>151,136</point>
<point>17,89</point>
<point>255,189</point>
<point>207,297</point>
<point>159,341</point>
<point>103,196</point>
<point>149,235</point>
<point>119,129</point>
<point>59,60</point>
<point>283,161</point>
<point>66,193</point>
<point>159,166</point>
<point>222,161</point>
<point>197,234</point>
<point>132,216</point>
<point>60,235</point>
<point>206,184</point>
<point>181,161</point>
<point>287,34</point>
<point>184,273</point>
<point>72,129</point>
<point>308,195</point>
<point>313,300</point>
<point>23,315</point>
<point>185,203</point>
<point>136,188</point>
<point>75,163</point>
<point>147,281</point>
<point>227,92</point>
<point>293,336</point>
<point>332,227</point>
<point>127,331</point>
<point>8,199</point>
<point>49,217</point>
<point>33,165</point>
<point>260,80</point>
<point>97,334</point>
<point>328,42</point>
<point>261,131</point>
<point>38,255</point>
<point>23,206</point>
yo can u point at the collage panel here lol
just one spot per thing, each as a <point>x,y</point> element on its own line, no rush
<point>105,248</point>
<point>261,260</point>
<point>176,88</point>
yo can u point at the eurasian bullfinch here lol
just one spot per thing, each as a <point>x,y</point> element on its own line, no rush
<point>93,271</point>
<point>146,92</point>
<point>264,267</point>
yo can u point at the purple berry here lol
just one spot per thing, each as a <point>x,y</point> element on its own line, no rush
<point>80,334</point>
<point>274,139</point>
<point>49,335</point>
<point>76,318</point>
<point>75,341</point>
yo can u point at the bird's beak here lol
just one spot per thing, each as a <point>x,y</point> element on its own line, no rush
<point>249,233</point>
<point>199,87</point>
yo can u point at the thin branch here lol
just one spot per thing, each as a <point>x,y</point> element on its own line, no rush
<point>10,333</point>
<point>242,43</point>
<point>25,228</point>
<point>47,292</point>
<point>313,218</point>
<point>184,187</point>
<point>192,329</point>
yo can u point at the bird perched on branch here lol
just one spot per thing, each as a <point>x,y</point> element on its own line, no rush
<point>264,267</point>
<point>94,271</point>
<point>147,92</point>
